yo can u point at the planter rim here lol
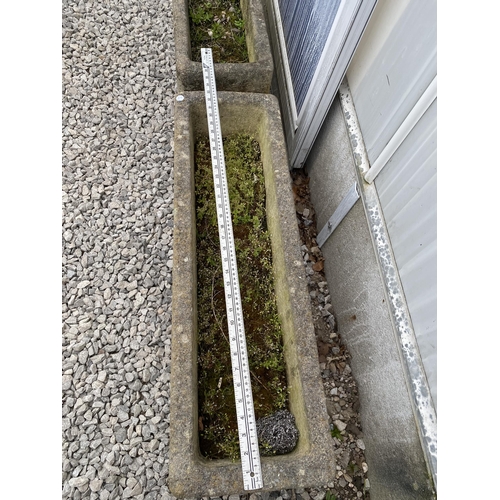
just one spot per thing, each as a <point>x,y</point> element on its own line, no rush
<point>312,463</point>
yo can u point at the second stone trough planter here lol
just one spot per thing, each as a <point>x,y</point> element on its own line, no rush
<point>312,461</point>
<point>252,76</point>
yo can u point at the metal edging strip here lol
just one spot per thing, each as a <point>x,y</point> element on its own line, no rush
<point>340,212</point>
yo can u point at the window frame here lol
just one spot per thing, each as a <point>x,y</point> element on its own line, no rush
<point>301,129</point>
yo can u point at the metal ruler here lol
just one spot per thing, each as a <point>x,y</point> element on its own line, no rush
<point>247,429</point>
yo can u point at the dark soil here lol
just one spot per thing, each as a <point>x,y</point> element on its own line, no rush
<point>217,414</point>
<point>219,25</point>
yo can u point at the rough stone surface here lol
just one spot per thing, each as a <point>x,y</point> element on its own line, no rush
<point>313,460</point>
<point>253,76</point>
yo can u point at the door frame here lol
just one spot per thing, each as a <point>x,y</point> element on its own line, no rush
<point>301,129</point>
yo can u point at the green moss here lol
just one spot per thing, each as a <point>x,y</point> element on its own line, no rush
<point>218,429</point>
<point>219,25</point>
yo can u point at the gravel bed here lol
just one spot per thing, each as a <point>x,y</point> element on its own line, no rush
<point>117,117</point>
<point>118,88</point>
<point>341,391</point>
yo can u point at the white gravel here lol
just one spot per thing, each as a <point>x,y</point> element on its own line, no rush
<point>118,88</point>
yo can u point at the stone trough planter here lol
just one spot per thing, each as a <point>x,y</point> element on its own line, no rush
<point>253,76</point>
<point>312,461</point>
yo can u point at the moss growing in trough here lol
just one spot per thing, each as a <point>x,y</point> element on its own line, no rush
<point>219,25</point>
<point>217,412</point>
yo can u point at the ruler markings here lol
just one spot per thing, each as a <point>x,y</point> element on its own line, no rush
<point>249,449</point>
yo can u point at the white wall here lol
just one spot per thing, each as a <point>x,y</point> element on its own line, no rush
<point>383,20</point>
<point>407,189</point>
<point>394,64</point>
<point>392,67</point>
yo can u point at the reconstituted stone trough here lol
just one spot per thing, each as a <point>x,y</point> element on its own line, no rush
<point>252,76</point>
<point>312,462</point>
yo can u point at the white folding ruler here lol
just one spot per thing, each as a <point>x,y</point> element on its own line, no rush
<point>247,430</point>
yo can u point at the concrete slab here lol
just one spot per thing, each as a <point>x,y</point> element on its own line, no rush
<point>253,76</point>
<point>312,462</point>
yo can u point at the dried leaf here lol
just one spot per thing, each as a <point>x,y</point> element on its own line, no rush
<point>319,266</point>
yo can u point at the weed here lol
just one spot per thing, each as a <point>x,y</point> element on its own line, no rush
<point>336,434</point>
<point>352,468</point>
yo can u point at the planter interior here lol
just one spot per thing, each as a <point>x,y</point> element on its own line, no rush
<point>252,76</point>
<point>312,461</point>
